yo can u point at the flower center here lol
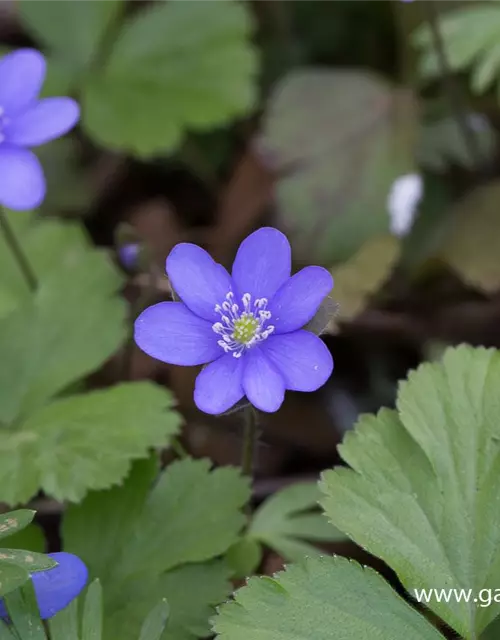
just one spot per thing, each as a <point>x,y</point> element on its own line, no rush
<point>242,328</point>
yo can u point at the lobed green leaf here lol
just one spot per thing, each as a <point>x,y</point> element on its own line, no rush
<point>144,543</point>
<point>424,482</point>
<point>175,66</point>
<point>85,442</point>
<point>321,599</point>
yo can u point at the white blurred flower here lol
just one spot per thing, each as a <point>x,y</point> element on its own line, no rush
<point>402,203</point>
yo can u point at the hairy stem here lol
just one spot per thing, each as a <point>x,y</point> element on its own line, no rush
<point>17,252</point>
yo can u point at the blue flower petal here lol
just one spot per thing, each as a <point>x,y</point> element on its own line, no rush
<point>57,587</point>
<point>200,282</point>
<point>169,332</point>
<point>22,184</point>
<point>298,300</point>
<point>263,385</point>
<point>262,264</point>
<point>22,73</point>
<point>218,387</point>
<point>302,358</point>
<point>44,121</point>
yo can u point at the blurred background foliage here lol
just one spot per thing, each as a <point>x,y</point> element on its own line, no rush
<point>202,120</point>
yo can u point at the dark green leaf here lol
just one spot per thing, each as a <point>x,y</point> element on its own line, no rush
<point>98,528</point>
<point>146,531</point>
<point>339,139</point>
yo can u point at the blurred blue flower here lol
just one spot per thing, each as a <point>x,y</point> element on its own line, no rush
<point>26,121</point>
<point>248,326</point>
<point>129,255</point>
<point>57,587</point>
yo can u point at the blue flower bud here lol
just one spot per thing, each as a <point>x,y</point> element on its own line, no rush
<point>128,255</point>
<point>57,587</point>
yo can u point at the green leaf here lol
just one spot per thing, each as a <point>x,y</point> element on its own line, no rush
<point>15,521</point>
<point>321,599</point>
<point>192,592</point>
<point>164,533</point>
<point>244,557</point>
<point>492,632</point>
<point>155,623</point>
<point>442,143</point>
<point>92,618</point>
<point>146,532</point>
<point>423,482</point>
<point>72,31</point>
<point>23,611</point>
<point>31,561</point>
<point>286,518</point>
<point>51,245</point>
<point>64,625</point>
<point>470,36</point>
<point>339,139</point>
<point>187,498</point>
<point>475,223</point>
<point>6,632</point>
<point>12,576</point>
<point>46,342</point>
<point>31,538</point>
<point>180,65</point>
<point>97,529</point>
<point>85,442</point>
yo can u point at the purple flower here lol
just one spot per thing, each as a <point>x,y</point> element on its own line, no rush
<point>248,326</point>
<point>26,121</point>
<point>57,587</point>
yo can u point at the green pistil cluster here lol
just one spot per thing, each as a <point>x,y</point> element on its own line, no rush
<point>245,328</point>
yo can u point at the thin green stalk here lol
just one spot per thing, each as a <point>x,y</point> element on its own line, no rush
<point>17,252</point>
<point>179,449</point>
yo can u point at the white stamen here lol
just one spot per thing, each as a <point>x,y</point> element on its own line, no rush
<point>251,316</point>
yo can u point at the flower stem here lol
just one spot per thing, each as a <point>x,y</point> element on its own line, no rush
<point>455,97</point>
<point>178,449</point>
<point>17,252</point>
<point>249,440</point>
